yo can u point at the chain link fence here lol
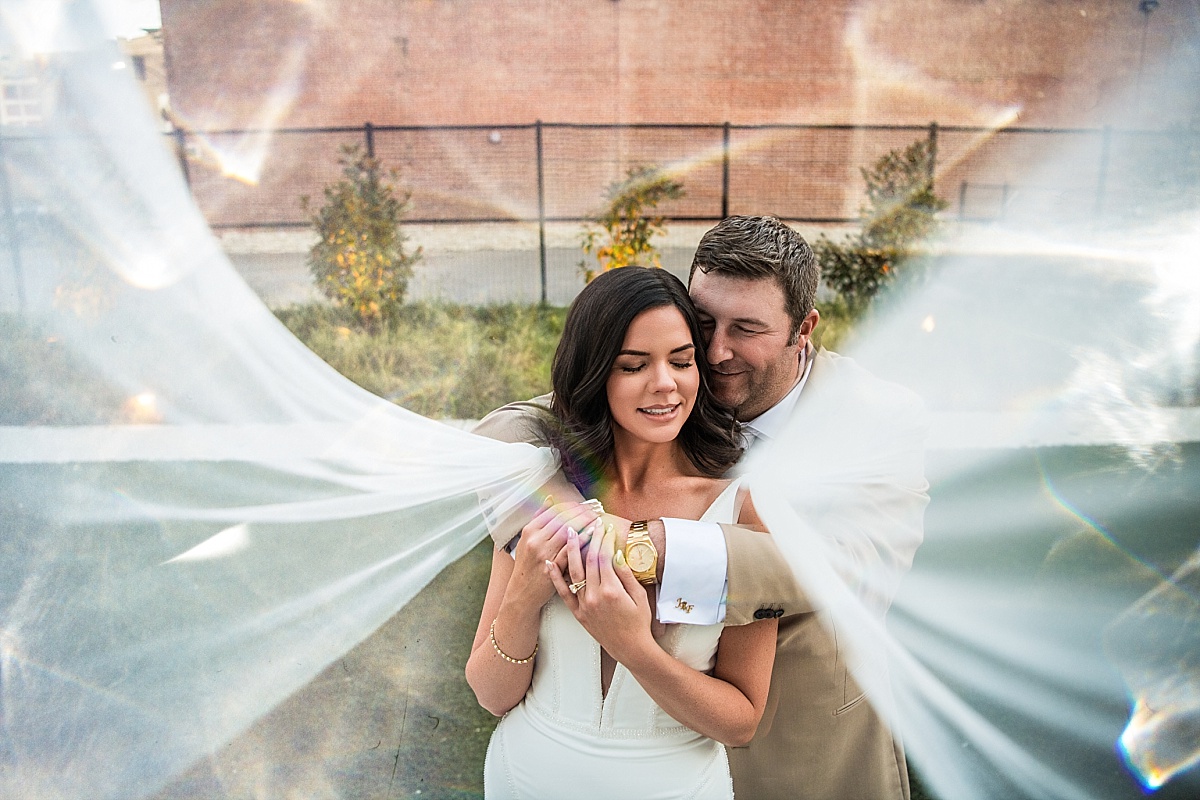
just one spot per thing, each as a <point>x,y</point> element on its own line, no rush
<point>546,173</point>
<point>529,176</point>
<point>559,172</point>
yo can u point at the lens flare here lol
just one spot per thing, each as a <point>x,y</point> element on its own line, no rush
<point>243,156</point>
<point>1156,646</point>
<point>35,27</point>
<point>221,545</point>
<point>143,409</point>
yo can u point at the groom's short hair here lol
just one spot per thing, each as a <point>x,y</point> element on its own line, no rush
<point>763,247</point>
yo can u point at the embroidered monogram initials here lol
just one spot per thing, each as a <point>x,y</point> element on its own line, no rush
<point>684,607</point>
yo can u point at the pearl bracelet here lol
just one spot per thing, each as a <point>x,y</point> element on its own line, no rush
<point>506,656</point>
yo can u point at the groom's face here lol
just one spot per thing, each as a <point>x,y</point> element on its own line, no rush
<point>747,329</point>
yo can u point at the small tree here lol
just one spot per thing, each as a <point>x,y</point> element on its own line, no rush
<point>361,260</point>
<point>900,212</point>
<point>620,236</point>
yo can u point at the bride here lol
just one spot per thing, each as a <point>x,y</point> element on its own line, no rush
<point>598,699</point>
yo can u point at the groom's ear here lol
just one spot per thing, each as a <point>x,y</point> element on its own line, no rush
<point>807,326</point>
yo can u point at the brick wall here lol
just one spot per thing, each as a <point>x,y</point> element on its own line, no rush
<point>277,63</point>
<point>233,63</point>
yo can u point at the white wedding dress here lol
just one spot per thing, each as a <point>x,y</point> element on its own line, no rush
<point>566,740</point>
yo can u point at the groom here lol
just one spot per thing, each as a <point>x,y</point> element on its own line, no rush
<point>754,282</point>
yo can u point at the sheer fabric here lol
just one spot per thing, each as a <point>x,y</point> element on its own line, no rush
<point>198,515</point>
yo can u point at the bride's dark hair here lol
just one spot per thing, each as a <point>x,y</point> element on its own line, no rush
<point>580,428</point>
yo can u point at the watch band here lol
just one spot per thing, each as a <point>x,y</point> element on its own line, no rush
<point>640,553</point>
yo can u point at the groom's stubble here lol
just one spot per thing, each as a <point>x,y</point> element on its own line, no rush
<point>747,331</point>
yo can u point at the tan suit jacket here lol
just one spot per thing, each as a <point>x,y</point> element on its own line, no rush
<point>820,739</point>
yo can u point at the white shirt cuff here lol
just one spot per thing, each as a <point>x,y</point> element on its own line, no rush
<point>693,584</point>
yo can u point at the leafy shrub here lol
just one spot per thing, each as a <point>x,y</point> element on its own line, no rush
<point>620,236</point>
<point>900,212</point>
<point>361,260</point>
<point>837,323</point>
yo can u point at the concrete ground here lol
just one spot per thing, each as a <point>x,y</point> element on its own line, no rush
<point>487,263</point>
<point>393,718</point>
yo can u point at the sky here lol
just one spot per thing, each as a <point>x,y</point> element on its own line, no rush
<point>127,18</point>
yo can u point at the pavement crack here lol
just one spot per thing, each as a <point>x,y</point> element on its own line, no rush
<point>399,744</point>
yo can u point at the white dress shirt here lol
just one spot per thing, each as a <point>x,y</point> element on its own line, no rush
<point>694,577</point>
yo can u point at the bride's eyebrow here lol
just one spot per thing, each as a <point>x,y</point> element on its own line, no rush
<point>644,354</point>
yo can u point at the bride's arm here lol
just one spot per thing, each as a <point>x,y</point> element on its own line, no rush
<point>726,706</point>
<point>500,667</point>
<point>499,684</point>
<point>613,608</point>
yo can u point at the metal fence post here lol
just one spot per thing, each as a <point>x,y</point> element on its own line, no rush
<point>933,145</point>
<point>1102,173</point>
<point>181,153</point>
<point>804,209</point>
<point>541,198</point>
<point>10,230</point>
<point>725,171</point>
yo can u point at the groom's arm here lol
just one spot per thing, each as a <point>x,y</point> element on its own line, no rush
<point>758,577</point>
<point>878,534</point>
<point>517,422</point>
<point>698,557</point>
<point>721,572</point>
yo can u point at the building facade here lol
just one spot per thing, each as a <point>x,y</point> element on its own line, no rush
<point>419,62</point>
<point>243,76</point>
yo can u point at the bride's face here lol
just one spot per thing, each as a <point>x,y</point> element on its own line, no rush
<point>653,382</point>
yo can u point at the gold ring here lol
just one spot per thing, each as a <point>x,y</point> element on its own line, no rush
<point>577,586</point>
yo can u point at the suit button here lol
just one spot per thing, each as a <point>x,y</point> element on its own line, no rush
<point>778,613</point>
<point>761,613</point>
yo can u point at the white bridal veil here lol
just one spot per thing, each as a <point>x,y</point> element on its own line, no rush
<point>197,515</point>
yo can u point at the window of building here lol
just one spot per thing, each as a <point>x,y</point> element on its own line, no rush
<point>21,103</point>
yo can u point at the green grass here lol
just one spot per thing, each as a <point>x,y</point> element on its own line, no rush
<point>439,360</point>
<point>44,383</point>
<point>459,362</point>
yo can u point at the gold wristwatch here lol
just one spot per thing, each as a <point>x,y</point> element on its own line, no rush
<point>640,553</point>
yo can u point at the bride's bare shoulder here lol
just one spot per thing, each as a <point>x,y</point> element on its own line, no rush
<point>747,514</point>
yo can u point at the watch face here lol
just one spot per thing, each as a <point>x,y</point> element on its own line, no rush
<point>640,557</point>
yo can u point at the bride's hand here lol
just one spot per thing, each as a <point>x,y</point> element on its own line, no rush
<point>618,524</point>
<point>548,537</point>
<point>608,601</point>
